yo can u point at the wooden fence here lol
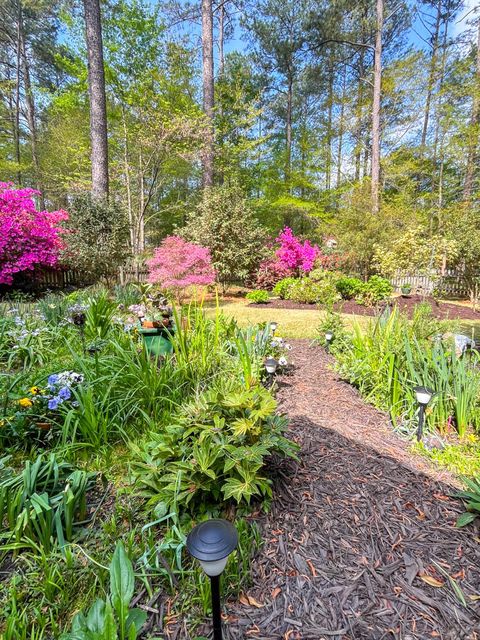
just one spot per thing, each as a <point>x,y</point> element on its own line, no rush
<point>450,284</point>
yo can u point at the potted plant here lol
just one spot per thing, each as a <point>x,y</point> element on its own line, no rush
<point>406,289</point>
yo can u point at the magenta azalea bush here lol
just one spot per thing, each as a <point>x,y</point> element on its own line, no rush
<point>296,255</point>
<point>28,238</point>
<point>178,264</point>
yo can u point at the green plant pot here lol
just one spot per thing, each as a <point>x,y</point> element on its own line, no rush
<point>157,341</point>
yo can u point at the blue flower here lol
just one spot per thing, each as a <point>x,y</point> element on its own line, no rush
<point>64,393</point>
<point>53,379</point>
<point>54,402</point>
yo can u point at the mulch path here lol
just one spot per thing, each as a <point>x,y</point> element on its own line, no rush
<point>441,310</point>
<point>360,540</point>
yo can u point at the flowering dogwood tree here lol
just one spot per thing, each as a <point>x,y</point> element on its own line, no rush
<point>178,264</point>
<point>28,238</point>
<point>294,254</point>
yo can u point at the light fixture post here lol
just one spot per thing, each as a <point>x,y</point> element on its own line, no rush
<point>216,610</point>
<point>423,396</point>
<point>328,340</point>
<point>211,542</point>
<point>421,420</point>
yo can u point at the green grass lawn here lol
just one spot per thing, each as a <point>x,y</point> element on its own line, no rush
<point>292,323</point>
<point>302,323</point>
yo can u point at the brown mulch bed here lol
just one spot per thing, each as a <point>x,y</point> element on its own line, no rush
<point>360,541</point>
<point>441,310</point>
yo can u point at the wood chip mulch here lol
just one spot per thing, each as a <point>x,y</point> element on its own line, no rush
<point>440,310</point>
<point>360,542</point>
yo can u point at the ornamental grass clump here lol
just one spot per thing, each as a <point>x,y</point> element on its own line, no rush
<point>392,355</point>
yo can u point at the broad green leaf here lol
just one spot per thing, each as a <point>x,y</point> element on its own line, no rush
<point>122,581</point>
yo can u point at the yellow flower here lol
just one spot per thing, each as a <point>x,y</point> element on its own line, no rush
<point>25,402</point>
<point>35,391</point>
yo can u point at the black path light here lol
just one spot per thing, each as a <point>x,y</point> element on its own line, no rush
<point>271,365</point>
<point>328,339</point>
<point>273,326</point>
<point>211,542</point>
<point>423,396</point>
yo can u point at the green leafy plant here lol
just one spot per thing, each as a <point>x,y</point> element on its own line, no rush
<point>374,290</point>
<point>43,503</point>
<point>471,498</point>
<point>258,296</point>
<point>215,450</point>
<point>99,316</point>
<point>348,287</point>
<point>112,618</point>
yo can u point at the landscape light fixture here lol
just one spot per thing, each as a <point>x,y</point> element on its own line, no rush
<point>271,365</point>
<point>328,339</point>
<point>423,396</point>
<point>211,542</point>
<point>273,326</point>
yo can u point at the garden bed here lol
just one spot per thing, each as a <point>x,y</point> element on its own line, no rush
<point>440,310</point>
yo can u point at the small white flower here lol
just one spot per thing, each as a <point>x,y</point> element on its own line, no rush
<point>282,361</point>
<point>288,347</point>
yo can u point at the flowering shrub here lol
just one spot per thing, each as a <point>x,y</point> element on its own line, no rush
<point>297,256</point>
<point>270,272</point>
<point>28,238</point>
<point>178,264</point>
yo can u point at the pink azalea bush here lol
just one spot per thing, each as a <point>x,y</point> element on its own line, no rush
<point>28,238</point>
<point>296,255</point>
<point>178,264</point>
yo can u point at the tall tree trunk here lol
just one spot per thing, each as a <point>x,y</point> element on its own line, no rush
<point>328,163</point>
<point>341,126</point>
<point>473,158</point>
<point>377,88</point>
<point>221,38</point>
<point>208,90</point>
<point>16,116</point>
<point>31,112</point>
<point>98,103</point>
<point>359,115</point>
<point>431,75</point>
<point>126,169</point>
<point>288,133</point>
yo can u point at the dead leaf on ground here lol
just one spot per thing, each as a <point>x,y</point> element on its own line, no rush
<point>250,601</point>
<point>433,582</point>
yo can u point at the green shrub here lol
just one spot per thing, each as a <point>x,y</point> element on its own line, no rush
<point>258,296</point>
<point>373,291</point>
<point>310,292</point>
<point>215,450</point>
<point>348,287</point>
<point>282,287</point>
